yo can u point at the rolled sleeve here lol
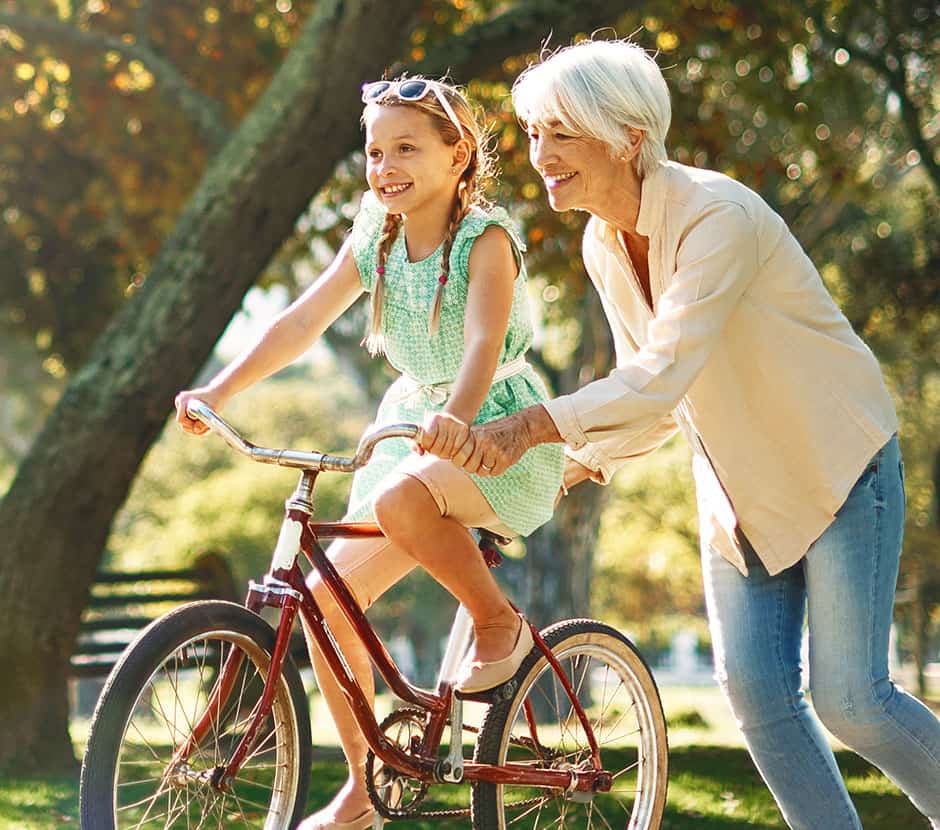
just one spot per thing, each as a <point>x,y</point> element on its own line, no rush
<point>561,411</point>
<point>605,457</point>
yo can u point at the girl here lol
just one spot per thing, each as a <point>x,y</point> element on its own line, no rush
<point>449,311</point>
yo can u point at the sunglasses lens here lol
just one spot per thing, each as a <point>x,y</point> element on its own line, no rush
<point>373,91</point>
<point>412,90</point>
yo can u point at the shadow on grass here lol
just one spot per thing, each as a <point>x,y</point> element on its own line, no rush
<point>718,788</point>
<point>711,788</point>
<point>38,803</point>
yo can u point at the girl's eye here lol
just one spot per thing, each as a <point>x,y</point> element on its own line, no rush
<point>375,154</point>
<point>406,148</point>
<point>562,137</point>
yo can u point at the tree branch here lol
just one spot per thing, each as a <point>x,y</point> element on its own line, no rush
<point>897,83</point>
<point>480,50</point>
<point>142,21</point>
<point>204,112</point>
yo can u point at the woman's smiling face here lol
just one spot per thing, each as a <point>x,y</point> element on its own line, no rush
<point>408,165</point>
<point>578,171</point>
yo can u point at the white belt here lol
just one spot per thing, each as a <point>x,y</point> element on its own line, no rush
<point>407,387</point>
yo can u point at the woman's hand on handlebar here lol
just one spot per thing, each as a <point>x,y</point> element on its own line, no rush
<point>205,394</point>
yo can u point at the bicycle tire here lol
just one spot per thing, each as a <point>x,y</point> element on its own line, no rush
<point>617,690</point>
<point>147,707</point>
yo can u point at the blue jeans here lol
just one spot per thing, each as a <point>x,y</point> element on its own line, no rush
<point>845,587</point>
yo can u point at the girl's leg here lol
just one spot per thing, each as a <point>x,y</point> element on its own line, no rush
<point>756,624</point>
<point>426,511</point>
<point>851,572</point>
<point>369,567</point>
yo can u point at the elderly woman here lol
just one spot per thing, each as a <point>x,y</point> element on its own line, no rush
<point>724,330</point>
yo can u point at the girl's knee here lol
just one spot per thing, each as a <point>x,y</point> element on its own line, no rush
<point>398,507</point>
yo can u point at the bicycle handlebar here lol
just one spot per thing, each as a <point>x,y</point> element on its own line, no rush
<point>296,458</point>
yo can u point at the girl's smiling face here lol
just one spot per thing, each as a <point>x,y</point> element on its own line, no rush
<point>408,165</point>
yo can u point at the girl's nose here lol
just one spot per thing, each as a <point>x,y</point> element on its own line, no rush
<point>386,168</point>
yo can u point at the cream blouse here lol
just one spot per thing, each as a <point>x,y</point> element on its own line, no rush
<point>745,351</point>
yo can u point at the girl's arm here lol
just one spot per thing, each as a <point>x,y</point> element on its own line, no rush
<point>493,271</point>
<point>289,335</point>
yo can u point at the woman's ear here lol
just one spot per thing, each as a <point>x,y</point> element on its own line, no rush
<point>634,142</point>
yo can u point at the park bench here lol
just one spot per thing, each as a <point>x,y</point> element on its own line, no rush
<point>123,603</point>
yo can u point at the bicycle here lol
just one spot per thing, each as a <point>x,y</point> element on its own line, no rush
<point>203,722</point>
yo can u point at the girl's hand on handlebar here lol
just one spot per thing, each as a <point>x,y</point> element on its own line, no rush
<point>204,394</point>
<point>442,435</point>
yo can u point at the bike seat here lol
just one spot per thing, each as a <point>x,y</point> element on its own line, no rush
<point>491,538</point>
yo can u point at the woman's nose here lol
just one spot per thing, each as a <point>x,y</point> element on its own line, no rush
<point>540,152</point>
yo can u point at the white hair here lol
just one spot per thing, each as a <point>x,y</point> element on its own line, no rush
<point>597,88</point>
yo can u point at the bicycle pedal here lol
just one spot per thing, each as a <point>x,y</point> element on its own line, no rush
<point>498,694</point>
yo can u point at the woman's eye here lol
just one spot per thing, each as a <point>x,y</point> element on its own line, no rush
<point>375,154</point>
<point>406,148</point>
<point>562,137</point>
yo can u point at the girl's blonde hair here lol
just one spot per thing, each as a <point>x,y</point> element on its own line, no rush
<point>479,169</point>
<point>597,88</point>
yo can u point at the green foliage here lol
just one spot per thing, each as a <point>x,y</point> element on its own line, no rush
<point>194,495</point>
<point>826,108</point>
<point>648,577</point>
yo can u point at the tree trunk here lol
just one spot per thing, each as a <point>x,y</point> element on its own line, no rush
<point>555,580</point>
<point>919,631</point>
<point>80,468</point>
<point>560,559</point>
<point>57,514</point>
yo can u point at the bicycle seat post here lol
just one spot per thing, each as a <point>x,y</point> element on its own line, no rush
<point>457,644</point>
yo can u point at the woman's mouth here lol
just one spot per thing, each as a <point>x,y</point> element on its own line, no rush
<point>555,181</point>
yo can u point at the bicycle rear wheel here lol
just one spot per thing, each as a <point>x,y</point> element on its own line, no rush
<point>152,699</point>
<point>619,696</point>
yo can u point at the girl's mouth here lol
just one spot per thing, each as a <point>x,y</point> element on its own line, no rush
<point>394,189</point>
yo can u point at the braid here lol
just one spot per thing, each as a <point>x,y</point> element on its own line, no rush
<point>461,207</point>
<point>375,339</point>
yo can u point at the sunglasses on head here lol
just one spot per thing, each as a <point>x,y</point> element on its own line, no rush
<point>413,89</point>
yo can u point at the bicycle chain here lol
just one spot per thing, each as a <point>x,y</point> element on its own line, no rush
<point>392,813</point>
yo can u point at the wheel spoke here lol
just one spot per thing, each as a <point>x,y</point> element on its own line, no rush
<point>607,679</point>
<point>162,689</point>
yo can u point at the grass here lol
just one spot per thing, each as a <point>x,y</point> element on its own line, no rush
<point>713,784</point>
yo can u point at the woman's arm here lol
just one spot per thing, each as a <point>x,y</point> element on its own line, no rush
<point>716,264</point>
<point>493,271</point>
<point>285,339</point>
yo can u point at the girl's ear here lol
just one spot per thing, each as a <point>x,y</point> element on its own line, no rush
<point>461,156</point>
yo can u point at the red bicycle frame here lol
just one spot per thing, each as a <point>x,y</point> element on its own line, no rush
<point>286,588</point>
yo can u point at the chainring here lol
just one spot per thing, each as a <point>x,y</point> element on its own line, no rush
<point>396,794</point>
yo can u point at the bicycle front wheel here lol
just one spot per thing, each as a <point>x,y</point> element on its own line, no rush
<point>153,698</point>
<point>617,692</point>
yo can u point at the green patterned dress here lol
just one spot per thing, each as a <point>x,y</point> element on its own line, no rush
<point>523,496</point>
